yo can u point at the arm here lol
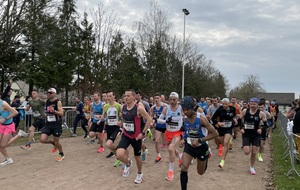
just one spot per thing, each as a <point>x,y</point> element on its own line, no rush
<point>242,115</point>
<point>60,110</point>
<point>161,119</point>
<point>142,112</point>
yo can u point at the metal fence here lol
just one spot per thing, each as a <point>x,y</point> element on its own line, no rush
<point>287,136</point>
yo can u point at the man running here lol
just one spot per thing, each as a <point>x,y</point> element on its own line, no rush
<point>53,126</point>
<point>112,113</point>
<point>133,133</point>
<point>38,112</point>
<point>155,112</point>
<point>79,116</point>
<point>224,119</point>
<point>251,130</point>
<point>174,119</point>
<point>195,140</point>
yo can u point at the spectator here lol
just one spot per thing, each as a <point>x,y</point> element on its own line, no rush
<point>7,92</point>
<point>296,129</point>
<point>291,113</point>
<point>16,104</point>
<point>27,113</point>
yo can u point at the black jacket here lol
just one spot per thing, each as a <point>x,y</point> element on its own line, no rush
<point>296,128</point>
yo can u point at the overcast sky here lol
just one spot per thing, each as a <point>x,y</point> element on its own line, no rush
<point>242,37</point>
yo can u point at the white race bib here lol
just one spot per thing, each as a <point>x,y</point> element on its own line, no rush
<point>51,118</point>
<point>112,121</point>
<point>227,124</point>
<point>97,117</point>
<point>190,141</point>
<point>249,126</point>
<point>36,114</point>
<point>128,127</point>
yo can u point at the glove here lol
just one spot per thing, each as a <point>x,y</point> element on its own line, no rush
<point>168,121</point>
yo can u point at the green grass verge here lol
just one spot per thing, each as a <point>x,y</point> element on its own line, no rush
<point>283,166</point>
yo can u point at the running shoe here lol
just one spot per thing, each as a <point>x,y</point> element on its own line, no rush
<point>54,149</point>
<point>110,155</point>
<point>222,163</point>
<point>101,149</point>
<point>220,151</point>
<point>144,155</point>
<point>6,162</point>
<point>86,135</point>
<point>22,133</point>
<point>149,133</point>
<point>170,176</point>
<point>126,170</point>
<point>259,157</point>
<point>73,135</point>
<point>25,147</point>
<point>91,141</point>
<point>139,178</point>
<point>158,159</point>
<point>252,171</point>
<point>60,158</point>
<point>117,163</point>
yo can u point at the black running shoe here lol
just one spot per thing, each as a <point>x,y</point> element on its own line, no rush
<point>110,155</point>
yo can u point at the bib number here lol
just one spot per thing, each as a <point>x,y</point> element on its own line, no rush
<point>227,124</point>
<point>173,127</point>
<point>190,140</point>
<point>249,126</point>
<point>128,127</point>
<point>51,118</point>
<point>36,114</point>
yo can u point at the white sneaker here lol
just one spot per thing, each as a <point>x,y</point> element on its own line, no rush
<point>139,178</point>
<point>252,171</point>
<point>22,133</point>
<point>6,162</point>
<point>126,170</point>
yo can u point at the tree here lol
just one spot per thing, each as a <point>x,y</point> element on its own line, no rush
<point>247,89</point>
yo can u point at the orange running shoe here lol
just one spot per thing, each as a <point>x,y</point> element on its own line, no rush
<point>54,149</point>
<point>170,176</point>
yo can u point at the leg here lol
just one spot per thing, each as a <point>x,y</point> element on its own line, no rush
<point>186,161</point>
<point>77,119</point>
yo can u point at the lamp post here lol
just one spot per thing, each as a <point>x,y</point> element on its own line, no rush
<point>185,13</point>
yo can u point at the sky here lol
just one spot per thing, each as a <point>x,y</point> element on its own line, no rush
<point>241,37</point>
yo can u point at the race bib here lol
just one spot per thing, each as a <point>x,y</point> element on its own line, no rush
<point>51,118</point>
<point>36,114</point>
<point>173,126</point>
<point>112,120</point>
<point>190,140</point>
<point>97,117</point>
<point>249,126</point>
<point>227,124</point>
<point>128,127</point>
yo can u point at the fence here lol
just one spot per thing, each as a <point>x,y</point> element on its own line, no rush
<point>287,137</point>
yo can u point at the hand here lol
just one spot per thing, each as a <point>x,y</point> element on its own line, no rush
<point>221,124</point>
<point>195,143</point>
<point>168,121</point>
<point>2,120</point>
<point>140,136</point>
<point>259,131</point>
<point>242,131</point>
<point>235,121</point>
<point>51,109</point>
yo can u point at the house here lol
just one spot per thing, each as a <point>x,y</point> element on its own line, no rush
<point>283,99</point>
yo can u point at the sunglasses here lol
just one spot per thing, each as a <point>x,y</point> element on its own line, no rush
<point>49,92</point>
<point>172,99</point>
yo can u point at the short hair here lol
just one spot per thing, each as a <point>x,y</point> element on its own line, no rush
<point>157,94</point>
<point>131,90</point>
<point>138,92</point>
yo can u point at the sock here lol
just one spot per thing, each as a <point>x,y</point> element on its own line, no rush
<point>183,180</point>
<point>159,155</point>
<point>171,166</point>
<point>61,153</point>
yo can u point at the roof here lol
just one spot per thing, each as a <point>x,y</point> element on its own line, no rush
<point>281,98</point>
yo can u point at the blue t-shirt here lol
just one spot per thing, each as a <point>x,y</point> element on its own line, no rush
<point>97,111</point>
<point>193,130</point>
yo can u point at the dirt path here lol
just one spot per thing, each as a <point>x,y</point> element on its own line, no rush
<point>84,168</point>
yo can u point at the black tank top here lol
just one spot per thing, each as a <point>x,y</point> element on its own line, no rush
<point>251,122</point>
<point>50,117</point>
<point>131,122</point>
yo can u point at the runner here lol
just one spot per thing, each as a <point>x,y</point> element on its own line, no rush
<point>53,125</point>
<point>251,130</point>
<point>87,116</point>
<point>38,112</point>
<point>195,140</point>
<point>112,111</point>
<point>133,134</point>
<point>173,118</point>
<point>269,118</point>
<point>79,116</point>
<point>97,124</point>
<point>7,128</point>
<point>224,119</point>
<point>155,112</point>
<point>238,111</point>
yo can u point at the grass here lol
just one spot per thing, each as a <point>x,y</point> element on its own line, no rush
<point>283,166</point>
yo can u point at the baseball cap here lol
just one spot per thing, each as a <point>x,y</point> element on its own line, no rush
<point>254,100</point>
<point>52,90</point>
<point>174,94</point>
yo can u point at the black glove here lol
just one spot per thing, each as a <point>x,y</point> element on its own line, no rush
<point>168,121</point>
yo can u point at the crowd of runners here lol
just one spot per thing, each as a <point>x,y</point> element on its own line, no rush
<point>196,125</point>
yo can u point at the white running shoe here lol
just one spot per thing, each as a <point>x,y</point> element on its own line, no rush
<point>126,170</point>
<point>22,133</point>
<point>139,178</point>
<point>252,171</point>
<point>6,162</point>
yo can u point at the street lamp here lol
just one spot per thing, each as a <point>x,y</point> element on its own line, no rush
<point>185,13</point>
